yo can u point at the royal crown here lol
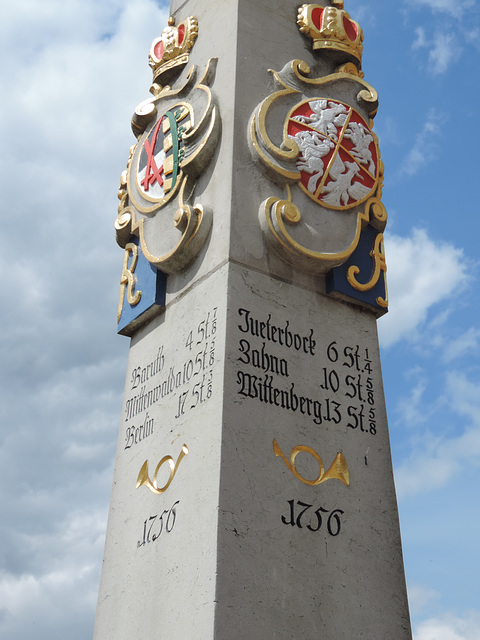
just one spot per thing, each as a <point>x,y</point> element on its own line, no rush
<point>171,50</point>
<point>332,29</point>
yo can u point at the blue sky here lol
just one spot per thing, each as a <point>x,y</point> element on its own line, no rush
<point>72,73</point>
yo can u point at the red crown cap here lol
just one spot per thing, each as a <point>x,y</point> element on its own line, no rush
<point>171,50</point>
<point>331,28</point>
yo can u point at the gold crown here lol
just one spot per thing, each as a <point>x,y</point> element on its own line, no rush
<point>331,28</point>
<point>171,50</point>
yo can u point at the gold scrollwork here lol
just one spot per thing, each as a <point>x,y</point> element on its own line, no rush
<point>193,221</point>
<point>377,212</point>
<point>144,479</point>
<point>338,470</point>
<point>280,161</point>
<point>375,209</point>
<point>127,280</point>
<point>125,215</point>
<point>380,264</point>
<point>277,212</point>
<point>188,221</point>
<point>367,96</point>
<point>350,68</point>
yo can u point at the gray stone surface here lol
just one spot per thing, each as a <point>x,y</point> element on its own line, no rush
<point>229,567</point>
<point>287,581</point>
<point>165,587</point>
<point>247,42</point>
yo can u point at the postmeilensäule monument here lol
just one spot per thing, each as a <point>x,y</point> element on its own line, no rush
<point>253,494</point>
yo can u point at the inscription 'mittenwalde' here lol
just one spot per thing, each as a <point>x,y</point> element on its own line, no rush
<point>145,397</point>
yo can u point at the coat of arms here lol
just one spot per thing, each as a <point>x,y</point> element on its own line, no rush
<point>160,224</point>
<point>338,154</point>
<point>324,161</point>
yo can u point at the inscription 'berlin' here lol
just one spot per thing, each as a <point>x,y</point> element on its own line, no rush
<point>278,335</point>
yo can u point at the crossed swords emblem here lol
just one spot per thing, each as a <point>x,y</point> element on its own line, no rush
<point>152,172</point>
<point>166,174</point>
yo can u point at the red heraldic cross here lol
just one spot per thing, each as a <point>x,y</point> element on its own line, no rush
<point>152,172</point>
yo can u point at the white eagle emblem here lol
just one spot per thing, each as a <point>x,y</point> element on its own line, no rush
<point>338,159</point>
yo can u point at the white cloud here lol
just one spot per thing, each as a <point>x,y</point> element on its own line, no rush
<point>449,628</point>
<point>425,147</point>
<point>472,34</point>
<point>441,454</point>
<point>445,6</point>
<point>466,343</point>
<point>444,51</point>
<point>362,14</point>
<point>419,597</point>
<point>66,123</point>
<point>466,394</point>
<point>423,473</point>
<point>421,38</point>
<point>412,409</point>
<point>421,273</point>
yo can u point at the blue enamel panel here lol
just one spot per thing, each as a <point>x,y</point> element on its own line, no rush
<point>152,284</point>
<point>337,282</point>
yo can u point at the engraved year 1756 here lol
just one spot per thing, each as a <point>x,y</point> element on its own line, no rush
<point>154,526</point>
<point>300,514</point>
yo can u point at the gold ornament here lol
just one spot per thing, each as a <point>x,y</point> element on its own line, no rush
<point>171,50</point>
<point>331,29</point>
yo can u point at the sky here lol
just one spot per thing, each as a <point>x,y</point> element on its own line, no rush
<point>72,72</point>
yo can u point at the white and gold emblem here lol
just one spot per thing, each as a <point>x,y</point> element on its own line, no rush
<point>338,159</point>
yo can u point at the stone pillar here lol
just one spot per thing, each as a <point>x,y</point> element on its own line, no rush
<point>253,494</point>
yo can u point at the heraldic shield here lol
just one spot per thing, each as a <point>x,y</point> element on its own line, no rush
<point>159,223</point>
<point>338,160</point>
<point>176,142</point>
<point>313,137</point>
<point>157,165</point>
<point>177,130</point>
<point>326,152</point>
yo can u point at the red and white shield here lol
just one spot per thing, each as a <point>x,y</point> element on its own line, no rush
<point>339,158</point>
<point>150,170</point>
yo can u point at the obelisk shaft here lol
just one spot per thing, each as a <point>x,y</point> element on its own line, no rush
<point>253,493</point>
